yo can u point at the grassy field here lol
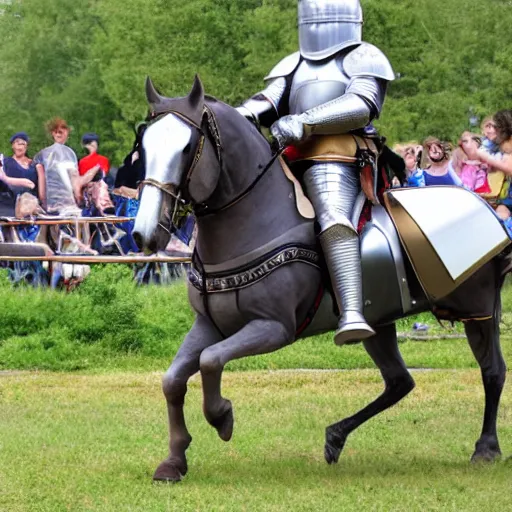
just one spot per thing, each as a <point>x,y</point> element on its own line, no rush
<point>74,442</point>
<point>89,436</point>
<point>109,324</point>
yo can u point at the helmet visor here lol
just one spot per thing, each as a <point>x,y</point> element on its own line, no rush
<point>321,40</point>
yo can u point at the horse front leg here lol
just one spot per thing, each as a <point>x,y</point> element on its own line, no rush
<point>174,385</point>
<point>257,337</point>
<point>484,340</point>
<point>383,349</point>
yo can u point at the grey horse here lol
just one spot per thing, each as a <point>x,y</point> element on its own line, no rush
<point>257,279</point>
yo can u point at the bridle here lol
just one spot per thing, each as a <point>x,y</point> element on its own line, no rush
<point>180,194</point>
<point>200,209</point>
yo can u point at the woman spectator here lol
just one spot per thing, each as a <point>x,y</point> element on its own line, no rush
<point>439,172</point>
<point>59,164</point>
<point>473,173</point>
<point>19,171</point>
<point>503,124</point>
<point>489,141</point>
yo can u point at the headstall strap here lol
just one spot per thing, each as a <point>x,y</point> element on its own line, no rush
<point>213,130</point>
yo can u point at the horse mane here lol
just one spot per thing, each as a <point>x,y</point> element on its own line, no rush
<point>221,108</point>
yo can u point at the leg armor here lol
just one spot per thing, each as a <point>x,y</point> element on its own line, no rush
<point>333,188</point>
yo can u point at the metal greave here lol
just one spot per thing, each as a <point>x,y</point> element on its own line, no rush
<point>333,189</point>
<point>341,250</point>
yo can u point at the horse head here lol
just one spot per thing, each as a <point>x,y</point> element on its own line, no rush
<point>181,162</point>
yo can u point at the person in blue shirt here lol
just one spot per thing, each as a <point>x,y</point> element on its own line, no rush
<point>440,170</point>
<point>20,171</point>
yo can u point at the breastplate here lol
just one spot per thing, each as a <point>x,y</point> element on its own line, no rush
<point>316,83</point>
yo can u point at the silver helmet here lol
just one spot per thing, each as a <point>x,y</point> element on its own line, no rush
<point>327,26</point>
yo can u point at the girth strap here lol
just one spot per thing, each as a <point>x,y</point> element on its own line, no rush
<point>246,276</point>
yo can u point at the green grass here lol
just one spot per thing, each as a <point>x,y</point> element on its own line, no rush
<point>91,443</point>
<point>110,324</point>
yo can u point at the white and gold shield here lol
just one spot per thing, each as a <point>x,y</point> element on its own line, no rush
<point>447,232</point>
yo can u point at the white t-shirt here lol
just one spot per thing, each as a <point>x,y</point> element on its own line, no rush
<point>61,167</point>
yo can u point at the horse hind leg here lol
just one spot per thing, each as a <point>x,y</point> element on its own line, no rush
<point>383,349</point>
<point>484,340</point>
<point>257,337</point>
<point>184,365</point>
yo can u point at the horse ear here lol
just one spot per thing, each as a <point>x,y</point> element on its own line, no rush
<point>196,95</point>
<point>152,94</point>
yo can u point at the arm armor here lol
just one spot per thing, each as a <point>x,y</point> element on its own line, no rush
<point>361,103</point>
<point>262,109</point>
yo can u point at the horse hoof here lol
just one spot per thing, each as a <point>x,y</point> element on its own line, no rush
<point>224,423</point>
<point>486,451</point>
<point>334,444</point>
<point>485,456</point>
<point>167,471</point>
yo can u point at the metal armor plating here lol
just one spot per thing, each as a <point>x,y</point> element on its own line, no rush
<point>331,88</point>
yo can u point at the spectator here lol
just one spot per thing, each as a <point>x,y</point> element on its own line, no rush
<point>473,173</point>
<point>489,141</point>
<point>90,141</point>
<point>412,158</point>
<point>132,171</point>
<point>21,169</point>
<point>439,172</point>
<point>59,164</point>
<point>96,195</point>
<point>7,199</point>
<point>500,162</point>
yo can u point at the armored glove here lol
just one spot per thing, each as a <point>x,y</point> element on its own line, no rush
<point>288,130</point>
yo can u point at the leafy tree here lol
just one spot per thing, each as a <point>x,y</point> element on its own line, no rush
<point>87,61</point>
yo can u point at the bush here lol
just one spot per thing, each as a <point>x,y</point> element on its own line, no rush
<point>106,316</point>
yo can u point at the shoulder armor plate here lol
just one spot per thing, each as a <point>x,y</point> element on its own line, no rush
<point>368,60</point>
<point>285,67</point>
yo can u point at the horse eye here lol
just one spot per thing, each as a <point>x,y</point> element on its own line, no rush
<point>187,148</point>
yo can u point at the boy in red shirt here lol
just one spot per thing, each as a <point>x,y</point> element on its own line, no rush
<point>90,141</point>
<point>97,197</point>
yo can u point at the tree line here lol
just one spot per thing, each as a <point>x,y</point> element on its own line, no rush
<point>87,61</point>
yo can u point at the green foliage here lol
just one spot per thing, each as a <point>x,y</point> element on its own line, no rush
<point>106,317</point>
<point>108,322</point>
<point>87,61</point>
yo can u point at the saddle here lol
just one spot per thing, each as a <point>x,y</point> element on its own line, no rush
<point>369,153</point>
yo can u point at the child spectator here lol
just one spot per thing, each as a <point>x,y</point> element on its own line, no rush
<point>90,141</point>
<point>96,195</point>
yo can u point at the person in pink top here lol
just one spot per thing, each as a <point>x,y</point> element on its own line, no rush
<point>473,173</point>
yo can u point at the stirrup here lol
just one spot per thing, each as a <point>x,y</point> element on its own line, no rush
<point>352,328</point>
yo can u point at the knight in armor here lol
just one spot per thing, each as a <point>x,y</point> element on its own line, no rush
<point>322,100</point>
